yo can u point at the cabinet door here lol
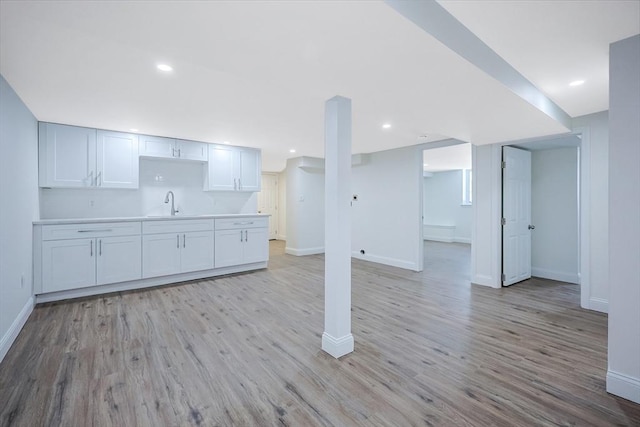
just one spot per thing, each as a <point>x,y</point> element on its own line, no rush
<point>68,264</point>
<point>117,160</point>
<point>250,164</point>
<point>221,169</point>
<point>156,146</point>
<point>67,156</point>
<point>192,150</point>
<point>228,248</point>
<point>160,255</point>
<point>256,245</point>
<point>197,251</point>
<point>119,259</point>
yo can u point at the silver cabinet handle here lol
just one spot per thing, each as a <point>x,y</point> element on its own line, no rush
<point>532,227</point>
<point>235,184</point>
<point>184,240</point>
<point>99,179</point>
<point>246,235</point>
<point>173,152</point>
<point>91,248</point>
<point>241,235</point>
<point>100,247</point>
<point>239,184</point>
<point>95,230</point>
<point>179,152</point>
<point>178,241</point>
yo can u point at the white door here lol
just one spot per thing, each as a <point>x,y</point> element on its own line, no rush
<point>250,166</point>
<point>192,150</point>
<point>197,251</point>
<point>220,169</point>
<point>117,160</point>
<point>157,146</point>
<point>516,214</point>
<point>68,264</point>
<point>119,259</point>
<point>268,202</point>
<point>228,247</point>
<point>256,245</point>
<point>160,254</point>
<point>67,156</point>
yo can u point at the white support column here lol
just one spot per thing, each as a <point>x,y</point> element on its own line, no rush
<point>337,339</point>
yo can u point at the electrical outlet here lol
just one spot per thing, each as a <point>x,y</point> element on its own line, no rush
<point>91,203</point>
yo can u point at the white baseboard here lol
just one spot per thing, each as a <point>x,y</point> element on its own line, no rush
<point>623,386</point>
<point>15,328</point>
<point>337,347</point>
<point>438,238</point>
<point>305,251</point>
<point>484,280</point>
<point>560,276</point>
<point>393,262</point>
<point>599,304</point>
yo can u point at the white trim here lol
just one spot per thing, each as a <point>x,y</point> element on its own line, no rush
<point>12,333</point>
<point>598,304</point>
<point>465,240</point>
<point>393,262</point>
<point>483,280</point>
<point>584,215</point>
<point>147,283</point>
<point>561,276</point>
<point>623,386</point>
<point>305,251</point>
<point>281,237</point>
<point>337,347</point>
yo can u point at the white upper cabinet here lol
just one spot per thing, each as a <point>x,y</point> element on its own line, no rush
<point>169,148</point>
<point>72,157</point>
<point>233,169</point>
<point>67,156</point>
<point>117,160</point>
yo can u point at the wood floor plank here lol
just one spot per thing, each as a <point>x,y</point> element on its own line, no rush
<point>430,349</point>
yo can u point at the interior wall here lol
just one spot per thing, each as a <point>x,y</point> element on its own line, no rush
<point>554,212</point>
<point>157,176</point>
<point>19,195</point>
<point>442,206</point>
<point>305,206</point>
<point>282,205</point>
<point>386,217</point>
<point>623,376</point>
<point>596,297</point>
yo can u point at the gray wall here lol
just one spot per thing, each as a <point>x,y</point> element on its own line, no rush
<point>442,200</point>
<point>623,377</point>
<point>19,197</point>
<point>554,212</point>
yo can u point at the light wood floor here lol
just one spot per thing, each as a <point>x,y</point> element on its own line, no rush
<point>245,350</point>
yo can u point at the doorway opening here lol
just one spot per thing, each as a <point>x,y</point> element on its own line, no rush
<point>541,210</point>
<point>446,190</point>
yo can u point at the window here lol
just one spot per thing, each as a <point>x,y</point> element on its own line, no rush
<point>467,186</point>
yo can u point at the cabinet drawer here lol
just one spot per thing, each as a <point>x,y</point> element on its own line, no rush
<point>246,222</point>
<point>81,231</point>
<point>177,226</point>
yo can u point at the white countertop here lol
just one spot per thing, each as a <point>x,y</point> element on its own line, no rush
<point>141,218</point>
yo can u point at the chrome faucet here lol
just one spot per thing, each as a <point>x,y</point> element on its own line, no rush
<point>166,200</point>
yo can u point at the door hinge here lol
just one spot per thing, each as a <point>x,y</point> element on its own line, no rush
<point>504,164</point>
<point>503,221</point>
<point>504,277</point>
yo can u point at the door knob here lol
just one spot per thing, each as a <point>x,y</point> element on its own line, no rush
<point>532,227</point>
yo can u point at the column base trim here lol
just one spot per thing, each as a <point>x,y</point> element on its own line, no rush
<point>623,386</point>
<point>337,347</point>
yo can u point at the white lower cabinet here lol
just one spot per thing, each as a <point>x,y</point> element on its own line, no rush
<point>77,262</point>
<point>244,241</point>
<point>184,246</point>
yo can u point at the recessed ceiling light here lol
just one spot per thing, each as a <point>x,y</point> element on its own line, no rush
<point>576,83</point>
<point>134,130</point>
<point>226,142</point>
<point>386,126</point>
<point>292,151</point>
<point>164,67</point>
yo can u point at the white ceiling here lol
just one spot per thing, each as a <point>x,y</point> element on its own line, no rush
<point>258,73</point>
<point>453,157</point>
